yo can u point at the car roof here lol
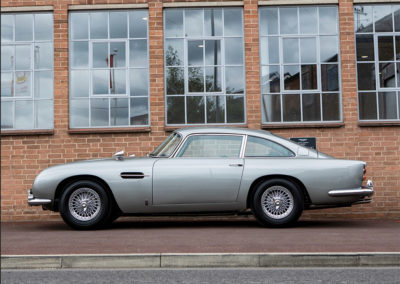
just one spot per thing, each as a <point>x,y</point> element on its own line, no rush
<point>224,130</point>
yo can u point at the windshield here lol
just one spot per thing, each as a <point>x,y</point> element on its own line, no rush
<point>167,147</point>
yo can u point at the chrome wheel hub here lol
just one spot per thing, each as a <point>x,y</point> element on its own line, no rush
<point>84,204</point>
<point>277,202</point>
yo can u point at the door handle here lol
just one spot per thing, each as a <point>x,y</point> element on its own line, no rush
<point>236,165</point>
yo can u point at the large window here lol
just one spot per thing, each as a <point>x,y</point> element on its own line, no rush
<point>109,74</point>
<point>299,52</point>
<point>26,71</point>
<point>377,31</point>
<point>204,66</point>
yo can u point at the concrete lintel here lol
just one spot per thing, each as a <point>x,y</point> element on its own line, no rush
<point>26,9</point>
<point>296,2</point>
<point>108,6</point>
<point>202,4</point>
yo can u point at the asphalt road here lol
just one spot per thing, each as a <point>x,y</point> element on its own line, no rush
<point>164,276</point>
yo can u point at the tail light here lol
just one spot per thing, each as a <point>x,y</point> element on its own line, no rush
<point>364,173</point>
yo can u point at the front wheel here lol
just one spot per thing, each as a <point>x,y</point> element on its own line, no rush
<point>277,203</point>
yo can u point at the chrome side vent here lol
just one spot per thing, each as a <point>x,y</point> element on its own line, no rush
<point>133,175</point>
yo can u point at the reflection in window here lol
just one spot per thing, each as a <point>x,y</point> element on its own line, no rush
<point>27,71</point>
<point>296,77</point>
<point>109,78</point>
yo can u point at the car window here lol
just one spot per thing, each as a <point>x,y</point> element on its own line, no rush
<point>259,147</point>
<point>212,146</point>
<point>167,147</point>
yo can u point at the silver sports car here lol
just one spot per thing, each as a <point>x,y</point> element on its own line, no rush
<point>203,170</point>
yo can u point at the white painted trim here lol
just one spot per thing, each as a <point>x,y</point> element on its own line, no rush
<point>107,6</point>
<point>202,4</point>
<point>297,2</point>
<point>27,9</point>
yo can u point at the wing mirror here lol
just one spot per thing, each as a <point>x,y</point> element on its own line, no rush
<point>119,156</point>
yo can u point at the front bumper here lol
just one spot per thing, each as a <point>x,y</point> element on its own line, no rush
<point>32,201</point>
<point>364,191</point>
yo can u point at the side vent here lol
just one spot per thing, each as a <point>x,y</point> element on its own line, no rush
<point>133,175</point>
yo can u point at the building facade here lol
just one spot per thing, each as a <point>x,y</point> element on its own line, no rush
<point>85,79</point>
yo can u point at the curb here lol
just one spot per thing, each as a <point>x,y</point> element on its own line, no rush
<point>186,260</point>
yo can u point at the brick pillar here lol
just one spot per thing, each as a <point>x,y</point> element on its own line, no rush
<point>252,62</point>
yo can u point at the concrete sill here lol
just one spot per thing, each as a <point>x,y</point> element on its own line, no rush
<point>378,123</point>
<point>27,132</point>
<point>108,130</point>
<point>303,125</point>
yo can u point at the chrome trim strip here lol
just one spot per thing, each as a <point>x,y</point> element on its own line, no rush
<point>32,201</point>
<point>362,191</point>
<point>133,175</point>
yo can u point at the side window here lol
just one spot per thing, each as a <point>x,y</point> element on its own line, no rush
<point>211,146</point>
<point>259,147</point>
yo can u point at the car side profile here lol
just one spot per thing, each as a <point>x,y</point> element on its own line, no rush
<point>203,170</point>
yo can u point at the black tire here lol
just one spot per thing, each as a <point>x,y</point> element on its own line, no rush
<point>277,203</point>
<point>97,207</point>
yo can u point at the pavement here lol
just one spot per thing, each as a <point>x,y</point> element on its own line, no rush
<point>201,242</point>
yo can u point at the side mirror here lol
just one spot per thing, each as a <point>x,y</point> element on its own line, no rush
<point>119,156</point>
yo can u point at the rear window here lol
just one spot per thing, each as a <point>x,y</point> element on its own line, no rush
<point>260,147</point>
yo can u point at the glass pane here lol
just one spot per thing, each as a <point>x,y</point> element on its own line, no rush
<point>196,79</point>
<point>7,57</point>
<point>383,18</point>
<point>7,114</point>
<point>311,107</point>
<point>268,21</point>
<point>215,109</point>
<point>330,107</point>
<point>79,25</point>
<point>44,114</point>
<point>291,107</point>
<point>213,79</point>
<point>99,110</point>
<point>101,82</point>
<point>259,147</point>
<point>233,22</point>
<point>213,52</point>
<point>308,20</point>
<point>385,48</point>
<point>328,49</point>
<point>7,28</point>
<point>387,105</point>
<point>327,20</point>
<point>387,76</point>
<point>173,23</point>
<point>234,80</point>
<point>363,19</point>
<point>99,25</point>
<point>24,27</point>
<point>138,53</point>
<point>43,55</point>
<point>398,74</point>
<point>195,52</point>
<point>79,54</point>
<point>309,78</point>
<point>269,50</point>
<point>234,109</point>
<point>396,14</point>
<point>195,109</point>
<point>139,111</point>
<point>271,108</point>
<point>193,22</point>
<point>175,81</point>
<point>367,105</point>
<point>23,84</point>
<point>290,50</point>
<point>308,50</point>
<point>119,114</point>
<point>292,77</point>
<point>7,82</point>
<point>233,51</point>
<point>79,113</point>
<point>24,115</point>
<point>174,55</point>
<point>288,20</point>
<point>79,83</point>
<point>118,25</point>
<point>117,54</point>
<point>366,76</point>
<point>397,39</point>
<point>139,82</point>
<point>100,55</point>
<point>329,77</point>
<point>175,110</point>
<point>43,26</point>
<point>44,84</point>
<point>365,47</point>
<point>118,81</point>
<point>213,22</point>
<point>270,79</point>
<point>138,24</point>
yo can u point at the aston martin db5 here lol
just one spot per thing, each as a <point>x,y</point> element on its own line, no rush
<point>204,170</point>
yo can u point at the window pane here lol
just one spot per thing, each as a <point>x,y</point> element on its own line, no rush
<point>7,81</point>
<point>44,114</point>
<point>398,74</point>
<point>309,78</point>
<point>308,20</point>
<point>118,25</point>
<point>396,14</point>
<point>173,23</point>
<point>311,107</point>
<point>233,22</point>
<point>290,50</point>
<point>308,49</point>
<point>327,20</point>
<point>235,109</point>
<point>397,55</point>
<point>79,54</point>
<point>79,83</point>
<point>331,107</point>
<point>383,18</point>
<point>99,110</point>
<point>328,49</point>
<point>79,113</point>
<point>271,108</point>
<point>117,54</point>
<point>195,109</point>
<point>44,84</point>
<point>234,80</point>
<point>43,26</point>
<point>193,23</point>
<point>365,47</point>
<point>196,79</point>
<point>100,55</point>
<point>139,111</point>
<point>99,25</point>
<point>7,114</point>
<point>138,53</point>
<point>367,105</point>
<point>118,81</point>
<point>213,51</point>
<point>233,51</point>
<point>24,27</point>
<point>213,22</point>
<point>43,55</point>
<point>387,105</point>
<point>23,84</point>
<point>268,21</point>
<point>270,79</point>
<point>138,24</point>
<point>366,76</point>
<point>288,20</point>
<point>175,82</point>
<point>363,19</point>
<point>259,147</point>
<point>101,82</point>
<point>385,48</point>
<point>329,77</point>
<point>139,80</point>
<point>269,50</point>
<point>195,52</point>
<point>7,28</point>
<point>175,110</point>
<point>174,55</point>
<point>7,57</point>
<point>291,107</point>
<point>24,115</point>
<point>213,79</point>
<point>119,111</point>
<point>79,26</point>
<point>387,78</point>
<point>215,109</point>
<point>291,77</point>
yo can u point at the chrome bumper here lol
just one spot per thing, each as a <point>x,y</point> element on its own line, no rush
<point>363,191</point>
<point>32,201</point>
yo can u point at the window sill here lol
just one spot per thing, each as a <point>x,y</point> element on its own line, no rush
<point>27,132</point>
<point>171,128</point>
<point>303,125</point>
<point>378,123</point>
<point>108,130</point>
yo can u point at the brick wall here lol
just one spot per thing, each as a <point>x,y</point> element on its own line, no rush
<point>24,156</point>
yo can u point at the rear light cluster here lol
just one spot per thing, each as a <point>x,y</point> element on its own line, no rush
<point>364,173</point>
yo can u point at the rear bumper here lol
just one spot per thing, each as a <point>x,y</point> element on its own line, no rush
<point>32,201</point>
<point>364,191</point>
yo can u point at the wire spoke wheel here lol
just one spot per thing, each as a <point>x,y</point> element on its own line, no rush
<point>84,204</point>
<point>277,202</point>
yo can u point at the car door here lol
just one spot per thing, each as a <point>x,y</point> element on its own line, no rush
<point>206,169</point>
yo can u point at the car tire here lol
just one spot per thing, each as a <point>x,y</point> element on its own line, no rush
<point>85,205</point>
<point>277,203</point>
